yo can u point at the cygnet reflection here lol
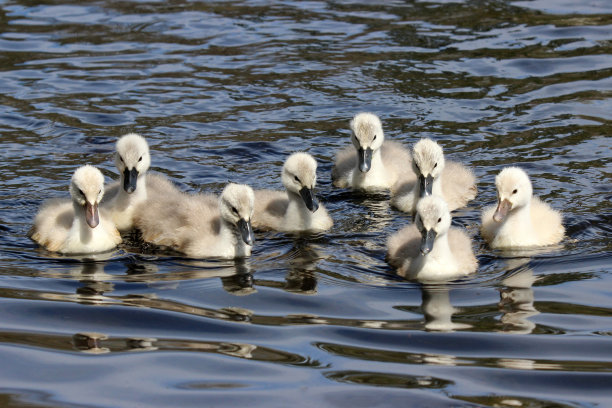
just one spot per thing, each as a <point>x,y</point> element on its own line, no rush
<point>438,310</point>
<point>516,302</point>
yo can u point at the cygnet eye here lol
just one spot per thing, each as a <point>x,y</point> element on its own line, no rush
<point>234,210</point>
<point>140,159</point>
<point>81,192</point>
<point>440,219</point>
<point>374,138</point>
<point>121,158</point>
<point>435,165</point>
<point>100,191</point>
<point>296,178</point>
<point>515,191</point>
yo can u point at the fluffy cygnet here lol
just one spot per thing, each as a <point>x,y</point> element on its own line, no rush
<point>371,163</point>
<point>201,225</point>
<point>135,185</point>
<point>297,208</point>
<point>450,180</point>
<point>431,250</point>
<point>76,226</point>
<point>519,219</point>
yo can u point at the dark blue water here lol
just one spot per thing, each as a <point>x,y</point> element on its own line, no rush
<point>225,91</point>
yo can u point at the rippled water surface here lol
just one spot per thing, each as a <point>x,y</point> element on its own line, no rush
<point>226,91</point>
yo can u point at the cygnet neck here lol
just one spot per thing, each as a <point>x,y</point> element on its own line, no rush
<point>241,248</point>
<point>297,209</point>
<point>80,223</point>
<point>377,161</point>
<point>436,188</point>
<point>441,248</point>
<point>520,217</point>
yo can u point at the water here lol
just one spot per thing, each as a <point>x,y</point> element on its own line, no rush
<point>226,91</point>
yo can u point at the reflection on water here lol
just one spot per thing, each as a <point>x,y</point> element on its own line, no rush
<point>225,91</point>
<point>90,342</point>
<point>516,302</point>
<point>98,343</point>
<point>437,309</point>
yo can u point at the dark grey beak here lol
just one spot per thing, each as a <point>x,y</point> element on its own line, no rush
<point>426,185</point>
<point>427,241</point>
<point>309,199</point>
<point>365,159</point>
<point>91,214</point>
<point>246,231</point>
<point>130,177</point>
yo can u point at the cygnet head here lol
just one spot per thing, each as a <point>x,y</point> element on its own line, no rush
<point>87,189</point>
<point>132,159</point>
<point>367,136</point>
<point>428,163</point>
<point>513,191</point>
<point>299,176</point>
<point>236,204</point>
<point>432,220</point>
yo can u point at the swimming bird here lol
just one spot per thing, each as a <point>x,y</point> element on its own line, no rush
<point>76,226</point>
<point>297,208</point>
<point>135,185</point>
<point>371,163</point>
<point>450,180</point>
<point>430,249</point>
<point>519,219</point>
<point>200,225</point>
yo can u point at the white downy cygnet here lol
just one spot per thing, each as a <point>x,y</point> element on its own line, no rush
<point>371,164</point>
<point>430,250</point>
<point>76,226</point>
<point>520,219</point>
<point>450,180</point>
<point>201,225</point>
<point>135,185</point>
<point>295,209</point>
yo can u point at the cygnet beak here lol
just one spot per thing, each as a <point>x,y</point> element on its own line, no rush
<point>426,185</point>
<point>91,214</point>
<point>246,231</point>
<point>502,210</point>
<point>309,199</point>
<point>365,159</point>
<point>427,240</point>
<point>130,177</point>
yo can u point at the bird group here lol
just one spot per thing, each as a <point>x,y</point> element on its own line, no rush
<point>420,180</point>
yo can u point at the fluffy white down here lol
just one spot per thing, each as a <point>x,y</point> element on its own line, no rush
<point>286,210</point>
<point>523,220</point>
<point>131,153</point>
<point>390,164</point>
<point>198,225</point>
<point>60,225</point>
<point>451,256</point>
<point>452,181</point>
